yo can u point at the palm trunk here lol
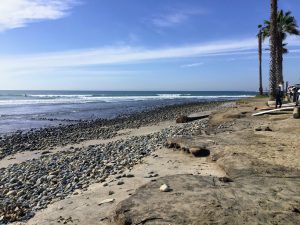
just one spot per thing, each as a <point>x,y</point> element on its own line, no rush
<point>280,61</point>
<point>259,60</point>
<point>273,50</point>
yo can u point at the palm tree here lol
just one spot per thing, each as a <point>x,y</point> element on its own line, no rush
<point>273,50</point>
<point>286,24</point>
<point>260,38</point>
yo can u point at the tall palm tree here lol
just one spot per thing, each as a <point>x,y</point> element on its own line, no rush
<point>273,50</point>
<point>286,25</point>
<point>260,39</point>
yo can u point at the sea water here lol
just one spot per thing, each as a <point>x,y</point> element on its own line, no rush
<point>23,110</point>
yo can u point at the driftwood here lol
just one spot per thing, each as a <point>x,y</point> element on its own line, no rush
<point>192,117</point>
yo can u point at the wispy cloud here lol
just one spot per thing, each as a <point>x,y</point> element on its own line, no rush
<point>127,54</point>
<point>174,17</point>
<point>18,13</point>
<point>169,20</point>
<point>192,65</point>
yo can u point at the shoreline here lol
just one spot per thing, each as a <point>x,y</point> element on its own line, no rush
<point>43,138</point>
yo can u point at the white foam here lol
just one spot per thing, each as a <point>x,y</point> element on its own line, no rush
<point>59,96</point>
<point>77,99</point>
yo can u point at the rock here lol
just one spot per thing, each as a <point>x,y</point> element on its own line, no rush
<point>263,128</point>
<point>38,181</point>
<point>182,119</point>
<point>164,188</point>
<point>111,192</point>
<point>296,210</point>
<point>109,200</point>
<point>195,146</point>
<point>45,152</point>
<point>151,175</point>
<point>296,112</point>
<point>225,179</point>
<point>197,151</point>
<point>129,175</point>
<point>13,192</point>
<point>55,173</point>
<point>267,128</point>
<point>258,129</point>
<point>50,177</point>
<point>120,182</point>
<point>76,192</point>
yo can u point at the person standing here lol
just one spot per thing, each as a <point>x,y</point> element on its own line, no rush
<point>298,98</point>
<point>294,94</point>
<point>278,97</point>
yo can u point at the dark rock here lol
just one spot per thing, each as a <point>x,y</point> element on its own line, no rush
<point>120,182</point>
<point>182,119</point>
<point>225,179</point>
<point>129,175</point>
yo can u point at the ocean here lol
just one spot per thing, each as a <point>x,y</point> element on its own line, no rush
<point>23,110</point>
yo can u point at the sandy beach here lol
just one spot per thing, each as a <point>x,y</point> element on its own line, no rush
<point>149,112</point>
<point>250,176</point>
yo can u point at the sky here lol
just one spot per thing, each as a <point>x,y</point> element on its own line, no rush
<point>192,45</point>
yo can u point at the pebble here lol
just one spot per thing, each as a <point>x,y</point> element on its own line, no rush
<point>129,175</point>
<point>34,184</point>
<point>109,200</point>
<point>164,188</point>
<point>120,183</point>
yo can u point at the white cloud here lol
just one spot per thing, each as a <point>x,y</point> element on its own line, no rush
<point>294,51</point>
<point>18,13</point>
<point>126,54</point>
<point>175,17</point>
<point>169,20</point>
<point>192,65</point>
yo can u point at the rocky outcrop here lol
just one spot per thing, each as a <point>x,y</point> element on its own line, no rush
<point>254,193</point>
<point>198,146</point>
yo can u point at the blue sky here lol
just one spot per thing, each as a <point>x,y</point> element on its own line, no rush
<point>137,44</point>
